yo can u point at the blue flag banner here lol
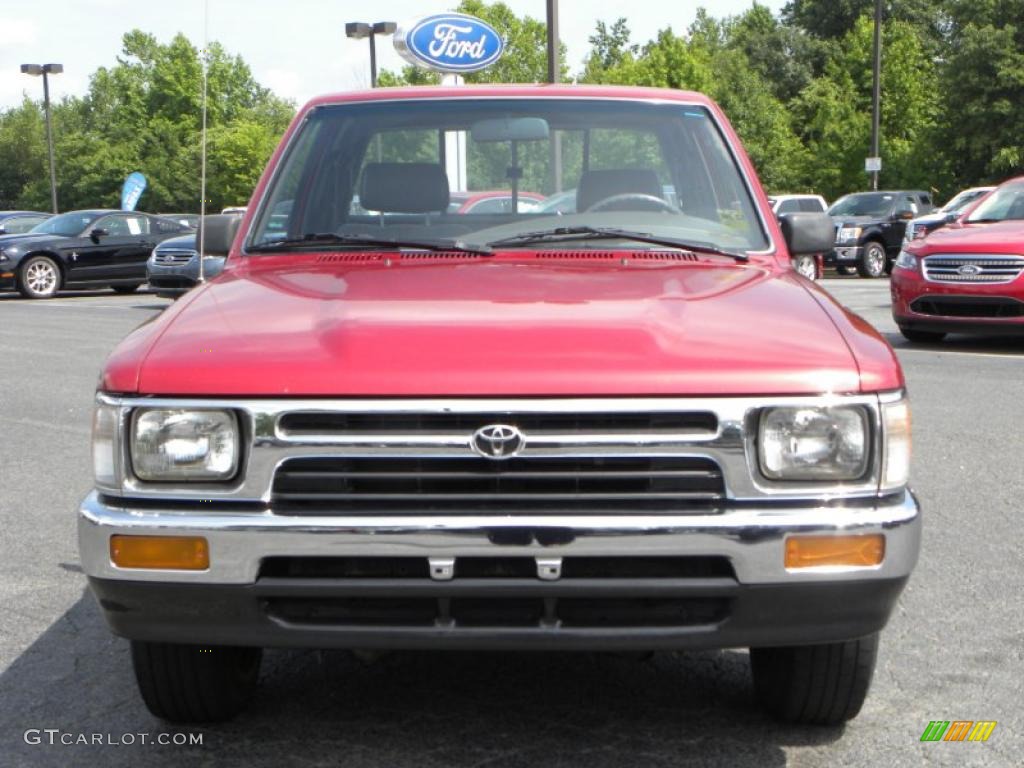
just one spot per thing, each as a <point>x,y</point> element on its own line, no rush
<point>132,190</point>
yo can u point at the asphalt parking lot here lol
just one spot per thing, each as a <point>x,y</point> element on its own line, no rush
<point>953,650</point>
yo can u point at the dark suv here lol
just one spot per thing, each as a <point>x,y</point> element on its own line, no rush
<point>870,227</point>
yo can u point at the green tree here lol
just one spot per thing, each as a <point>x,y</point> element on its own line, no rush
<point>144,114</point>
<point>834,112</point>
<point>985,75</point>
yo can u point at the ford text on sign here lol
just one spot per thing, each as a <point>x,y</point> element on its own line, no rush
<point>451,42</point>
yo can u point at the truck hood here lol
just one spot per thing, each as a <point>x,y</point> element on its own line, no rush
<point>991,237</point>
<point>494,327</point>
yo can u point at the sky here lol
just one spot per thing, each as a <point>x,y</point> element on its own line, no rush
<point>297,48</point>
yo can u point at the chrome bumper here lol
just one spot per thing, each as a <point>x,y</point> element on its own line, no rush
<point>752,538</point>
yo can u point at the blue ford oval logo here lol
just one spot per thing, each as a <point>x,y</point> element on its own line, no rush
<point>450,42</point>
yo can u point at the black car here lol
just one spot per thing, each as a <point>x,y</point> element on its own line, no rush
<point>870,226</point>
<point>83,249</point>
<point>17,222</point>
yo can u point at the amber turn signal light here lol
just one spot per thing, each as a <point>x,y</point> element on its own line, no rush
<point>180,553</point>
<point>817,551</point>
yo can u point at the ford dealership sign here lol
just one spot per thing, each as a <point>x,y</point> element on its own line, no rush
<point>450,42</point>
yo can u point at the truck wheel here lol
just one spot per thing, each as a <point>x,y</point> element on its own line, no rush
<point>39,278</point>
<point>921,336</point>
<point>814,684</point>
<point>195,683</point>
<point>872,260</point>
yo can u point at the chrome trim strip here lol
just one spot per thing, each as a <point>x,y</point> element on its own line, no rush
<point>265,447</point>
<point>752,539</point>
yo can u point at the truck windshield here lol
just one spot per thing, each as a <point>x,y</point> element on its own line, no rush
<point>475,171</point>
<point>863,204</point>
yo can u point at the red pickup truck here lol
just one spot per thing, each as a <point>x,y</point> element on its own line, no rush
<point>633,426</point>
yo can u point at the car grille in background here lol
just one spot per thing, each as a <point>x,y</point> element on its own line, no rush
<point>173,258</point>
<point>966,268</point>
<point>472,483</point>
<point>968,306</point>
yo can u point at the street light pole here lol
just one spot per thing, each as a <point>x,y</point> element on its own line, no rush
<point>47,69</point>
<point>876,91</point>
<point>358,30</point>
<point>554,75</point>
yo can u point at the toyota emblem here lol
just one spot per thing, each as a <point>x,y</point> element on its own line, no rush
<point>497,441</point>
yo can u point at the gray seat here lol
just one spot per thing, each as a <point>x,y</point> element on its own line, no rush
<point>404,188</point>
<point>595,186</point>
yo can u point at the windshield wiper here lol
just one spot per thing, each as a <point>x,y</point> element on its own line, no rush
<point>612,233</point>
<point>321,239</point>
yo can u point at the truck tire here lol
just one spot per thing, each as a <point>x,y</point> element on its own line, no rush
<point>195,683</point>
<point>872,260</point>
<point>814,684</point>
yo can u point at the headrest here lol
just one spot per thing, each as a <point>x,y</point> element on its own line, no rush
<point>598,185</point>
<point>404,188</point>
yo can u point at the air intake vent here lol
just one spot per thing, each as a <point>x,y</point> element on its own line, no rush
<point>617,256</point>
<point>439,256</point>
<point>349,258</point>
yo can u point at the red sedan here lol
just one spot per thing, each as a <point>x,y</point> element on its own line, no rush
<point>965,278</point>
<point>493,201</point>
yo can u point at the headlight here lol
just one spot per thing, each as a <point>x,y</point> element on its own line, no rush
<point>846,234</point>
<point>171,444</point>
<point>826,443</point>
<point>906,261</point>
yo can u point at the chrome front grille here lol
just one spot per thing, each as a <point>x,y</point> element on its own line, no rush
<point>972,268</point>
<point>537,484</point>
<point>173,258</point>
<point>415,456</point>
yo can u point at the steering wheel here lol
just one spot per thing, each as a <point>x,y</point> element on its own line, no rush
<point>647,202</point>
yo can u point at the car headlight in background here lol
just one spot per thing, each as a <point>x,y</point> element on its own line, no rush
<point>813,443</point>
<point>848,234</point>
<point>906,261</point>
<point>184,445</point>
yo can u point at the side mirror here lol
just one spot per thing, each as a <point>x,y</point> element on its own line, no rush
<point>97,233</point>
<point>951,217</point>
<point>807,233</point>
<point>218,232</point>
